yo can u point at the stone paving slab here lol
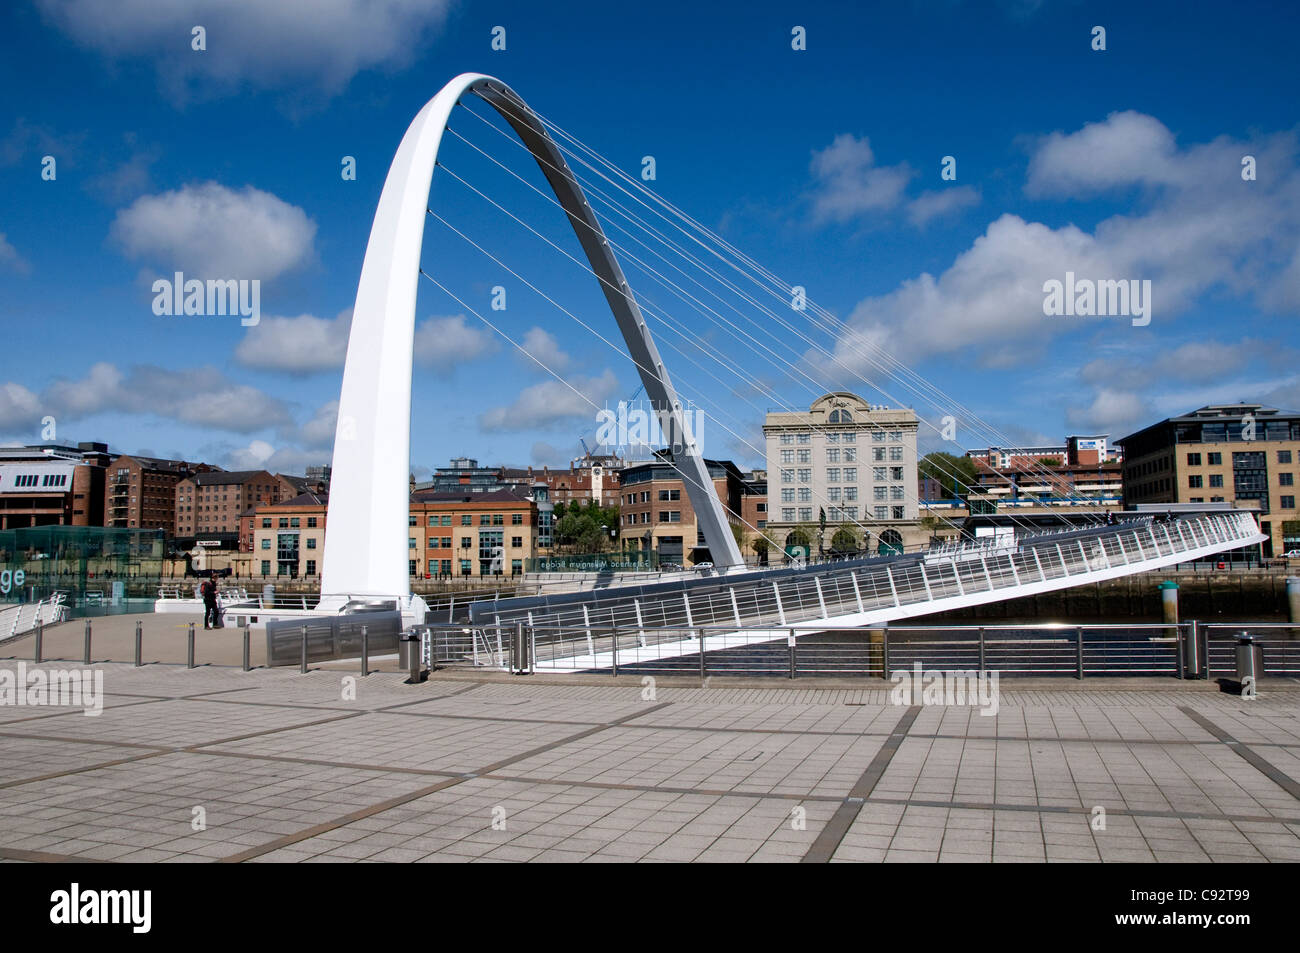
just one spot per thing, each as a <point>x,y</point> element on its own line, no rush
<point>328,767</point>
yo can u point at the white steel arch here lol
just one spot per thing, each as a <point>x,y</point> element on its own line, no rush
<point>366,549</point>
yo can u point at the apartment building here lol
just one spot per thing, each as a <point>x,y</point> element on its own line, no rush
<point>1246,454</point>
<point>209,505</point>
<point>288,537</point>
<point>656,515</point>
<point>140,492</point>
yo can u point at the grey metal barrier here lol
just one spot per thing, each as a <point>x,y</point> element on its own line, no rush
<point>332,637</point>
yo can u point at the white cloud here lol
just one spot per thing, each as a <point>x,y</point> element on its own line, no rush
<point>260,455</point>
<point>1118,413</point>
<point>445,342</point>
<point>9,257</point>
<point>542,345</point>
<point>211,231</point>
<point>20,409</point>
<point>848,183</point>
<point>1199,228</point>
<point>200,396</point>
<point>300,45</point>
<point>551,402</point>
<point>319,431</point>
<point>930,205</point>
<point>300,345</point>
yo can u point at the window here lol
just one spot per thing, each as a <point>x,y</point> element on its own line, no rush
<point>1287,502</point>
<point>266,543</point>
<point>410,521</point>
<point>881,512</point>
<point>805,476</point>
<point>850,474</point>
<point>895,492</point>
<point>311,522</point>
<point>878,473</point>
<point>1194,481</point>
<point>833,475</point>
<point>296,522</point>
<point>410,542</point>
<point>787,495</point>
<point>878,454</point>
<point>266,567</point>
<point>466,542</point>
<point>311,542</point>
<point>446,521</point>
<point>880,492</point>
<point>805,438</point>
<point>898,512</point>
<point>895,473</point>
<point>266,523</point>
<point>666,495</point>
<point>833,494</point>
<point>516,519</point>
<point>895,454</point>
<point>787,456</point>
<point>850,454</point>
<point>311,567</point>
<point>832,454</point>
<point>805,456</point>
<point>284,522</point>
<point>466,567</point>
<point>1284,456</point>
<point>849,438</point>
<point>787,476</point>
<point>832,438</point>
<point>877,436</point>
<point>787,514</point>
<point>787,439</point>
<point>805,494</point>
<point>1215,459</point>
<point>1193,459</point>
<point>466,520</point>
<point>850,493</point>
<point>516,567</point>
<point>1216,480</point>
<point>1286,479</point>
<point>516,542</point>
<point>805,513</point>
<point>896,436</point>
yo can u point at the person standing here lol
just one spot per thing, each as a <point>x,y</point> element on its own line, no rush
<point>209,591</point>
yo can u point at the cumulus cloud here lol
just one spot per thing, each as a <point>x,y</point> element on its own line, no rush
<point>551,402</point>
<point>10,259</point>
<point>260,455</point>
<point>318,432</point>
<point>847,182</point>
<point>445,342</point>
<point>1197,227</point>
<point>200,396</point>
<point>935,204</point>
<point>544,348</point>
<point>211,231</point>
<point>301,345</point>
<point>20,409</point>
<point>289,44</point>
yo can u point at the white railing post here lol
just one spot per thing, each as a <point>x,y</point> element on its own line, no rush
<point>586,622</point>
<point>780,609</point>
<point>640,625</point>
<point>961,590</point>
<point>821,600</point>
<point>1011,558</point>
<point>1065,567</point>
<point>929,596</point>
<point>857,593</point>
<point>1152,531</point>
<point>1084,555</point>
<point>1042,576</point>
<point>892,588</point>
<point>686,601</point>
<point>735,606</point>
<point>987,578</point>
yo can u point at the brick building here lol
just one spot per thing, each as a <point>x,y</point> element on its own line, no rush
<point>140,492</point>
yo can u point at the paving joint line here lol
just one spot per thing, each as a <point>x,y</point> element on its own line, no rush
<point>386,805</point>
<point>1247,753</point>
<point>829,838</point>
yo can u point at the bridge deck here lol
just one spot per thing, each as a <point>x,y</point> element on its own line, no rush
<point>573,630</point>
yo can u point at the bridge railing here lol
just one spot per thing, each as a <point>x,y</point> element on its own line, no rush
<point>1186,650</point>
<point>780,597</point>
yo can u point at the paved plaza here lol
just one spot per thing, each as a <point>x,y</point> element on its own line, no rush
<point>217,764</point>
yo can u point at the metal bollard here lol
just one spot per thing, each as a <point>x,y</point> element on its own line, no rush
<point>701,635</point>
<point>614,665</point>
<point>982,666</point>
<point>365,652</point>
<point>85,659</point>
<point>1078,635</point>
<point>139,643</point>
<point>248,634</point>
<point>302,669</point>
<point>793,642</point>
<point>189,648</point>
<point>40,639</point>
<point>884,653</point>
<point>413,656</point>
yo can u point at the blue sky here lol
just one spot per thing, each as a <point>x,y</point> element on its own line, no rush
<point>822,164</point>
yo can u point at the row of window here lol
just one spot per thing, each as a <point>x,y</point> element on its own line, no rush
<point>837,514</point>
<point>287,522</point>
<point>44,480</point>
<point>1194,481</point>
<point>877,436</point>
<point>466,542</point>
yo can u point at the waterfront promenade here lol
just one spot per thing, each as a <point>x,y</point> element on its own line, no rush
<point>217,764</point>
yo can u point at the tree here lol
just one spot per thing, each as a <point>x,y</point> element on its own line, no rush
<point>844,541</point>
<point>955,475</point>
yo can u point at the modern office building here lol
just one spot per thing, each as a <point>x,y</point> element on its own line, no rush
<point>1245,454</point>
<point>49,485</point>
<point>655,512</point>
<point>853,460</point>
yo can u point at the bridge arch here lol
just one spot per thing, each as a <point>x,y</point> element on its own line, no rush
<point>366,540</point>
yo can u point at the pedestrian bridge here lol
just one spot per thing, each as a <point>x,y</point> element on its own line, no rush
<point>584,630</point>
